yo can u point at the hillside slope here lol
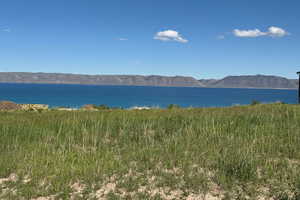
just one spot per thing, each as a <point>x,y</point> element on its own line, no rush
<point>251,81</point>
<point>59,78</point>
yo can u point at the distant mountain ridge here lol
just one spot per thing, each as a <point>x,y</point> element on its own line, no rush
<point>251,81</point>
<point>245,81</point>
<point>61,78</point>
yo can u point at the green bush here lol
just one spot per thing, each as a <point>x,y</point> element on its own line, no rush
<point>255,102</point>
<point>173,106</point>
<point>101,107</point>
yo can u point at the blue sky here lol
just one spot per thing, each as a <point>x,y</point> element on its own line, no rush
<point>203,39</point>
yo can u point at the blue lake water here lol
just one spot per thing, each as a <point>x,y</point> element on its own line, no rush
<point>128,96</point>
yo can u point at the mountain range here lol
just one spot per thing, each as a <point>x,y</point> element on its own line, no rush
<point>250,81</point>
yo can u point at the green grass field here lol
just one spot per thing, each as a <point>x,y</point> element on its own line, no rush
<point>241,152</point>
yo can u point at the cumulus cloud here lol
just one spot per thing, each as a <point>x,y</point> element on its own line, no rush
<point>248,33</point>
<point>170,35</point>
<point>272,31</point>
<point>277,32</point>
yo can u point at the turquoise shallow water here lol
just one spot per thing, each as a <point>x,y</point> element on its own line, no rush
<point>128,96</point>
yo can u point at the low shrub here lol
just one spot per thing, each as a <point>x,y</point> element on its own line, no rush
<point>255,102</point>
<point>173,106</point>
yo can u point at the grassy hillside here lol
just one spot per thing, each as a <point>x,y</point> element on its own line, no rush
<point>247,152</point>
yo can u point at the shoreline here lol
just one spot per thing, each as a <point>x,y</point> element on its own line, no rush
<point>12,106</point>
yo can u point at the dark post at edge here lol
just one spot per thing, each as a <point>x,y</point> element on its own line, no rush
<point>299,88</point>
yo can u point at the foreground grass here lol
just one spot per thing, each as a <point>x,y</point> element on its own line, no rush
<point>247,152</point>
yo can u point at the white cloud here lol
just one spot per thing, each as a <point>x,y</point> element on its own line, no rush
<point>277,32</point>
<point>248,33</point>
<point>170,35</point>
<point>122,39</point>
<point>272,31</point>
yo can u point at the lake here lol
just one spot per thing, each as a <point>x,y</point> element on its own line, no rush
<point>128,96</point>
